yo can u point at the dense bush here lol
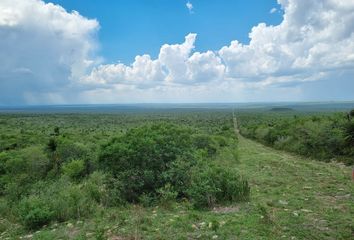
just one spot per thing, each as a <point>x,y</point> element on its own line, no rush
<point>55,168</point>
<point>156,162</point>
<point>139,158</point>
<point>20,169</point>
<point>205,142</point>
<point>324,137</point>
<point>34,212</point>
<point>211,185</point>
<point>60,200</point>
<point>75,169</point>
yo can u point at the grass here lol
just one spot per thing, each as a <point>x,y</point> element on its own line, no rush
<point>291,198</point>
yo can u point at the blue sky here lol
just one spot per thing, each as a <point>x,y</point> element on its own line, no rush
<point>132,27</point>
<point>171,51</point>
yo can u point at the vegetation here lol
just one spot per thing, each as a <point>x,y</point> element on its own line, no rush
<point>153,175</point>
<point>150,160</point>
<point>323,136</point>
<point>54,170</point>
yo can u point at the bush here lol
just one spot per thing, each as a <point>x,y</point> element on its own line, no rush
<point>160,162</point>
<point>74,169</point>
<point>68,200</point>
<point>4,207</point>
<point>62,151</point>
<point>34,212</point>
<point>68,150</point>
<point>95,187</point>
<point>167,195</point>
<point>104,189</point>
<point>324,137</point>
<point>221,141</point>
<point>20,169</point>
<point>31,161</point>
<point>59,201</point>
<point>205,142</point>
<point>139,158</point>
<point>211,185</point>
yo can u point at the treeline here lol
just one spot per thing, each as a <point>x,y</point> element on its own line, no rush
<point>57,168</point>
<point>325,137</point>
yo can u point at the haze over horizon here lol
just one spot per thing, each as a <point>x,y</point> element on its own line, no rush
<point>65,52</point>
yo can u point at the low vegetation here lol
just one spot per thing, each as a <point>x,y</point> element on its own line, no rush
<point>73,172</point>
<point>177,174</point>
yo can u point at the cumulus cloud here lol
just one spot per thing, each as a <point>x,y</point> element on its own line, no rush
<point>175,65</point>
<point>313,40</point>
<point>43,49</point>
<point>189,5</point>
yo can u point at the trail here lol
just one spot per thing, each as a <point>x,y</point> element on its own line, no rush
<point>319,196</point>
<point>237,132</point>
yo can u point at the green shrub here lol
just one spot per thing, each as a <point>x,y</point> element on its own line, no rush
<point>104,189</point>
<point>205,142</point>
<point>4,207</point>
<point>211,185</point>
<point>59,201</point>
<point>20,169</point>
<point>139,158</point>
<point>349,134</point>
<point>75,169</point>
<point>323,137</point>
<point>34,212</point>
<point>95,187</point>
<point>167,195</point>
<point>156,162</point>
<point>115,194</point>
<point>62,151</point>
<point>221,141</point>
<point>351,113</point>
<point>179,175</point>
<point>69,150</point>
<point>31,161</point>
<point>147,199</point>
<point>68,200</point>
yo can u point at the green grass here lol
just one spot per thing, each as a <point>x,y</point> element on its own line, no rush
<point>305,199</point>
<point>291,198</point>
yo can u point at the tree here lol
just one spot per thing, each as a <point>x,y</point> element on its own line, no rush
<point>351,113</point>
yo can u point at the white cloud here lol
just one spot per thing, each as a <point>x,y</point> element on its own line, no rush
<point>174,58</point>
<point>314,43</point>
<point>189,5</point>
<point>273,10</point>
<point>43,49</point>
<point>176,64</point>
<point>312,40</point>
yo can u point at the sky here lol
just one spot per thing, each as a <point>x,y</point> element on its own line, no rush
<point>171,51</point>
<point>132,27</point>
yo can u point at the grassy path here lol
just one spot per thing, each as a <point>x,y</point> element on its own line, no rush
<point>302,198</point>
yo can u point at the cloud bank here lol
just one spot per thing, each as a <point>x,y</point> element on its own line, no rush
<point>48,47</point>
